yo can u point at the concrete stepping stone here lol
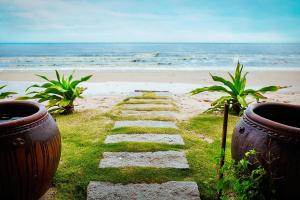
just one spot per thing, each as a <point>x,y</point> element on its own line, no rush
<point>158,138</point>
<point>145,101</point>
<point>145,123</point>
<point>173,190</point>
<point>149,113</point>
<point>158,159</point>
<point>140,106</point>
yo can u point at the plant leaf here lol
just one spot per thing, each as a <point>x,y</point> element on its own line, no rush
<point>23,98</point>
<point>214,88</point>
<point>225,82</point>
<point>32,86</point>
<point>43,77</point>
<point>221,100</point>
<point>6,94</point>
<point>272,88</point>
<point>242,101</point>
<point>64,102</point>
<point>57,75</point>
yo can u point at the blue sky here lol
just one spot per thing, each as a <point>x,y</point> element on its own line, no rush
<point>149,21</point>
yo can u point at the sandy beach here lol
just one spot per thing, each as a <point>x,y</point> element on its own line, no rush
<point>107,88</point>
<point>255,78</point>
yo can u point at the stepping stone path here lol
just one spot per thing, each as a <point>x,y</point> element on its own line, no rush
<point>173,190</point>
<point>158,138</point>
<point>149,113</point>
<point>158,159</point>
<point>145,123</point>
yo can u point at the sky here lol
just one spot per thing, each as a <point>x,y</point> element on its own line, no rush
<point>150,21</point>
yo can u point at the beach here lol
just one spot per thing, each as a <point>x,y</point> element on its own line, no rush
<point>201,77</point>
<point>120,68</point>
<point>140,99</point>
<point>108,87</point>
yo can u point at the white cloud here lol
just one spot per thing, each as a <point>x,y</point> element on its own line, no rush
<point>59,20</point>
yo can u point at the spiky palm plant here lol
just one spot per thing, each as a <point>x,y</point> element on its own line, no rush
<point>4,95</point>
<point>60,94</point>
<point>236,91</point>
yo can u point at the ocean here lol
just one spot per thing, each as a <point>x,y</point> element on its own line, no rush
<point>148,56</point>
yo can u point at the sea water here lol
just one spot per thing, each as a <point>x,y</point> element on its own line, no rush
<point>148,56</point>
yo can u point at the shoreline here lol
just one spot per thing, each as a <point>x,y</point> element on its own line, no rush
<point>202,78</point>
<point>107,88</point>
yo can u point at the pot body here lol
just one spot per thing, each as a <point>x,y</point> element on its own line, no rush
<point>272,129</point>
<point>29,151</point>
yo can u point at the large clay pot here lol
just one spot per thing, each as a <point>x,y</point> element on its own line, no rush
<point>273,130</point>
<point>29,150</point>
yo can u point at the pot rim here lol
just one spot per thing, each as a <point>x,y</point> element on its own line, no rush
<point>270,123</point>
<point>42,112</point>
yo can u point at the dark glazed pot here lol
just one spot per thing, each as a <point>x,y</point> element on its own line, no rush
<point>273,130</point>
<point>29,150</point>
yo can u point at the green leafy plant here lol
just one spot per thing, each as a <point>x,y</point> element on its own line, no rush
<point>236,91</point>
<point>60,94</point>
<point>246,180</point>
<point>4,95</point>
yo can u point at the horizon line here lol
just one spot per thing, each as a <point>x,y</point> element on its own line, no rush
<point>60,42</point>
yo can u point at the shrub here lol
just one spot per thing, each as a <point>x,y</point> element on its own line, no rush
<point>60,94</point>
<point>236,91</point>
<point>246,180</point>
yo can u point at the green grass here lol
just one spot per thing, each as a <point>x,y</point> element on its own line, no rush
<point>142,147</point>
<point>82,148</point>
<point>201,154</point>
<point>147,95</point>
<point>116,116</point>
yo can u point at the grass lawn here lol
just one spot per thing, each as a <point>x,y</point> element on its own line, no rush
<point>83,134</point>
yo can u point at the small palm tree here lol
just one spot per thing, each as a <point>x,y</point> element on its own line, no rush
<point>60,94</point>
<point>4,95</point>
<point>236,91</point>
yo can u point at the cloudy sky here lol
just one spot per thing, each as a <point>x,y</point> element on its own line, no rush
<point>149,21</point>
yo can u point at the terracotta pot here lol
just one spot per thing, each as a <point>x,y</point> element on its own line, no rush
<point>29,150</point>
<point>273,130</point>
